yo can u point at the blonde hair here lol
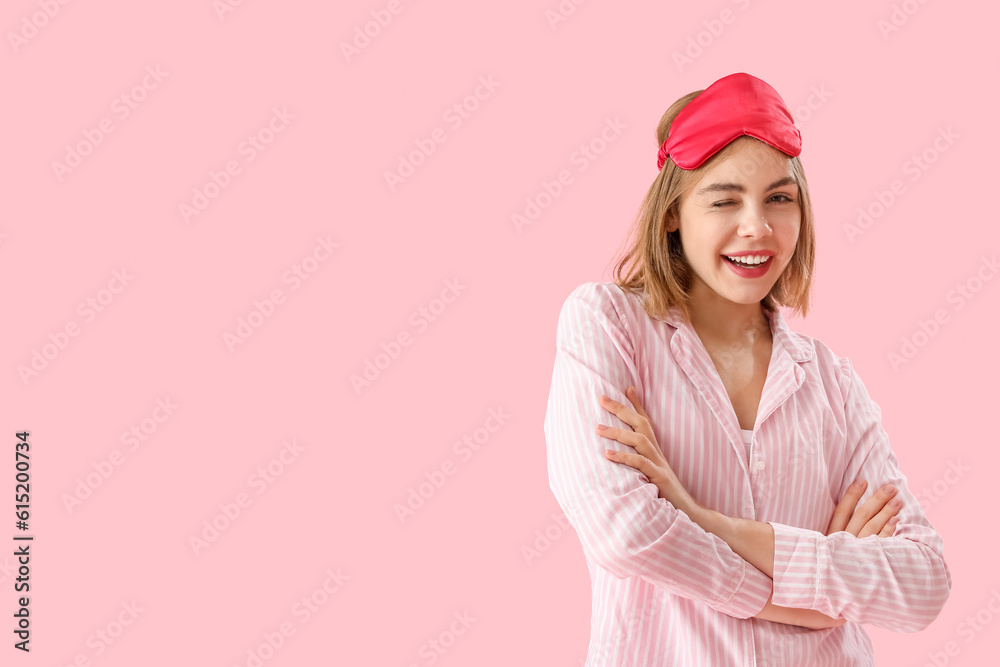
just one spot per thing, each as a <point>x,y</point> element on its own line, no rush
<point>653,265</point>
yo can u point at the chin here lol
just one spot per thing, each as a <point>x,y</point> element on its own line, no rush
<point>747,302</point>
<point>747,297</point>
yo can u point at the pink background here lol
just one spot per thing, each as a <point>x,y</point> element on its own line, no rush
<point>331,505</point>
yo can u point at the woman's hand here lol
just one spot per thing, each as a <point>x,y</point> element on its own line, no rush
<point>805,618</point>
<point>648,458</point>
<point>650,461</point>
<point>877,516</point>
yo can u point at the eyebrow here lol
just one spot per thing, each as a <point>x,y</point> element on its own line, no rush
<point>736,187</point>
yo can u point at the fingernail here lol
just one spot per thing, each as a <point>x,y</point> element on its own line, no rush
<point>601,427</point>
<point>896,504</point>
<point>859,483</point>
<point>631,389</point>
<point>888,488</point>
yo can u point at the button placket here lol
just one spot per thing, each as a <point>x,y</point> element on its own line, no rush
<point>755,454</point>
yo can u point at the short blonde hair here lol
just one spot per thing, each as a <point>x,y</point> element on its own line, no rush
<point>653,265</point>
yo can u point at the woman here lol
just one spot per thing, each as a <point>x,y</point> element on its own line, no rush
<point>707,455</point>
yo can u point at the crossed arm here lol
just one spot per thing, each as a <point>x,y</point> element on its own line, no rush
<point>752,540</point>
<point>893,577</point>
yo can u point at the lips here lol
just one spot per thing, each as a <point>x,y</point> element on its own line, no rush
<point>755,271</point>
<point>747,266</point>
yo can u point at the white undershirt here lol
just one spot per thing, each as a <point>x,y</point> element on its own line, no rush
<point>747,436</point>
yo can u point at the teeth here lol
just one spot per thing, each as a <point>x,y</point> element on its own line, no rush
<point>750,260</point>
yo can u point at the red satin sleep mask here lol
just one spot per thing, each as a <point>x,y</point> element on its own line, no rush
<point>734,105</point>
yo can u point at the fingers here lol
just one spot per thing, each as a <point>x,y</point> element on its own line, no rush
<point>870,508</point>
<point>878,522</point>
<point>640,463</point>
<point>629,415</point>
<point>890,527</point>
<point>633,397</point>
<point>638,441</point>
<point>633,416</point>
<point>845,508</point>
<point>640,438</point>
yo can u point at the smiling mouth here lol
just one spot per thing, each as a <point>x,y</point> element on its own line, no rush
<point>748,266</point>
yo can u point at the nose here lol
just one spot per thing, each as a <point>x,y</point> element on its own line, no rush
<point>753,223</point>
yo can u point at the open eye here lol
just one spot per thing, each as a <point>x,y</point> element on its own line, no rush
<point>785,198</point>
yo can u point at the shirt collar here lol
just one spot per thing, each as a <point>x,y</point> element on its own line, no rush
<point>800,348</point>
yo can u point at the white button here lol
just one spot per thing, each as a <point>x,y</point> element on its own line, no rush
<point>760,465</point>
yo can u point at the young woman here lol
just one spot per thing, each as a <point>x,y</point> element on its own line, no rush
<point>706,455</point>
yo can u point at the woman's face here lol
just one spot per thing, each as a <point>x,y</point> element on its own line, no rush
<point>747,202</point>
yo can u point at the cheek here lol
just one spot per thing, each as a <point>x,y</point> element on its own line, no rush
<point>787,226</point>
<point>707,235</point>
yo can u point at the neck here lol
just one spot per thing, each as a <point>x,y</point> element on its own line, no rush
<point>733,324</point>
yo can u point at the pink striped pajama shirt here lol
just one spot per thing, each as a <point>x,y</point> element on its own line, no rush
<point>666,592</point>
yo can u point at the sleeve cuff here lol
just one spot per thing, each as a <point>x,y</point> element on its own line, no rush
<point>797,566</point>
<point>750,595</point>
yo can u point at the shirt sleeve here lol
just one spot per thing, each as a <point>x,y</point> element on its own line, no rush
<point>622,523</point>
<point>897,583</point>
